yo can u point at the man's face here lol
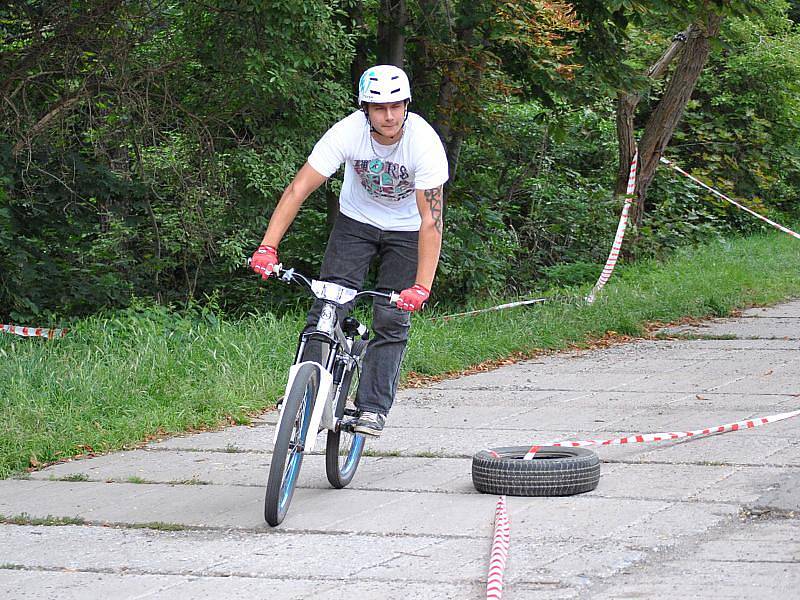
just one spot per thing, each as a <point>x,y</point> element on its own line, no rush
<point>387,119</point>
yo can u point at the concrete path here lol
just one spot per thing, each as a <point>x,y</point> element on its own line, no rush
<point>714,517</point>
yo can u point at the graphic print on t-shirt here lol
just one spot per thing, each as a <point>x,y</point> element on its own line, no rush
<point>384,180</point>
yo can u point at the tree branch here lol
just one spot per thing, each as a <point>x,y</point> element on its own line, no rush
<point>62,106</point>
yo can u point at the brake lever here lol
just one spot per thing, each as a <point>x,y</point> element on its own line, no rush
<point>276,269</point>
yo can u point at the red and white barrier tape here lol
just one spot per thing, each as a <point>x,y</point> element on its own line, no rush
<point>672,165</point>
<point>33,331</point>
<point>497,562</point>
<point>502,533</point>
<point>623,224</point>
<point>499,307</point>
<point>668,436</point>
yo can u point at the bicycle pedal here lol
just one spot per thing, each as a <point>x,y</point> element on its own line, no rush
<point>346,425</point>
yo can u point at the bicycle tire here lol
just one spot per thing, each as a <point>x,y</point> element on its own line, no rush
<point>287,455</point>
<point>343,450</point>
<point>553,471</point>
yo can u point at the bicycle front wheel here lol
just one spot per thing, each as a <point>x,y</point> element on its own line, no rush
<point>288,453</point>
<point>343,449</point>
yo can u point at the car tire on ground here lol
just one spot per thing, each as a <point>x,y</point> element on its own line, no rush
<point>553,471</point>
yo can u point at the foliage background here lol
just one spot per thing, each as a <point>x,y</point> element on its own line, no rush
<point>144,144</point>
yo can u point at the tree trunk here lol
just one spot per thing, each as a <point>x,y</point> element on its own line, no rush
<point>433,27</point>
<point>661,125</point>
<point>392,22</point>
<point>355,13</point>
<point>662,122</point>
<point>626,111</point>
<point>457,70</point>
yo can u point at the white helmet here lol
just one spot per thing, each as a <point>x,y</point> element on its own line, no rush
<point>383,83</point>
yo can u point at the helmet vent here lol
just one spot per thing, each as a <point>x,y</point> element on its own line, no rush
<point>395,91</point>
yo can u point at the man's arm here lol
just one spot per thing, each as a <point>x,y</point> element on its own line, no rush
<point>431,208</point>
<point>304,183</point>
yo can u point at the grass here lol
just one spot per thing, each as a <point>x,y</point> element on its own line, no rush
<point>113,382</point>
<point>50,521</point>
<point>158,526</point>
<point>193,481</point>
<point>75,477</point>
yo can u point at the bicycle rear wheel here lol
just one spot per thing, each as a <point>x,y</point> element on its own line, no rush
<point>343,449</point>
<point>288,453</point>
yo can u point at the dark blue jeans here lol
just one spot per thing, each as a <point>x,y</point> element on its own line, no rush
<point>352,247</point>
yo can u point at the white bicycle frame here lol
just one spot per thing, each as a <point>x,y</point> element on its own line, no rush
<point>321,402</point>
<point>323,415</point>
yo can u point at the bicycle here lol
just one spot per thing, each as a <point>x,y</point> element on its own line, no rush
<point>319,395</point>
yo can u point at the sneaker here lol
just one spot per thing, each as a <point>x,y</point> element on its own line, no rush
<point>370,423</point>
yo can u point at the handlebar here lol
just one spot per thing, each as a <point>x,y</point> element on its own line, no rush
<point>290,275</point>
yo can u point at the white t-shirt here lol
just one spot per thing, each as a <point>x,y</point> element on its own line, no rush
<point>379,181</point>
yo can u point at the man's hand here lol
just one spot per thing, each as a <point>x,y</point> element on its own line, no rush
<point>413,298</point>
<point>264,261</point>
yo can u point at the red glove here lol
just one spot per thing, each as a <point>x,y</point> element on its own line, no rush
<point>413,298</point>
<point>264,261</point>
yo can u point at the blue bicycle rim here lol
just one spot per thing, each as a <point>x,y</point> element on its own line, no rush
<point>293,468</point>
<point>356,448</point>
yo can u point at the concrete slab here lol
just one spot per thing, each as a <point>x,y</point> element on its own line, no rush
<point>668,518</point>
<point>506,400</point>
<point>782,495</point>
<point>242,507</point>
<point>495,380</point>
<point>678,418</point>
<point>769,383</point>
<point>765,327</point>
<point>85,586</point>
<point>442,441</point>
<point>233,468</point>
<point>251,469</point>
<point>747,560</point>
<point>722,581</point>
<point>394,590</point>
<point>741,485</point>
<point>663,481</point>
<point>233,439</point>
<point>203,553</point>
<point>787,456</point>
<point>102,586</point>
<point>790,308</point>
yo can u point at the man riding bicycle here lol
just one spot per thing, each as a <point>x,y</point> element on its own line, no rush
<point>390,207</point>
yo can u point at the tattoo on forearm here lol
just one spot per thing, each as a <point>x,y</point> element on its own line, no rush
<point>435,202</point>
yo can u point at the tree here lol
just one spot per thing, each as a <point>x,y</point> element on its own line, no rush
<point>466,54</point>
<point>694,48</point>
<point>691,48</point>
<point>391,34</point>
<point>144,143</point>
